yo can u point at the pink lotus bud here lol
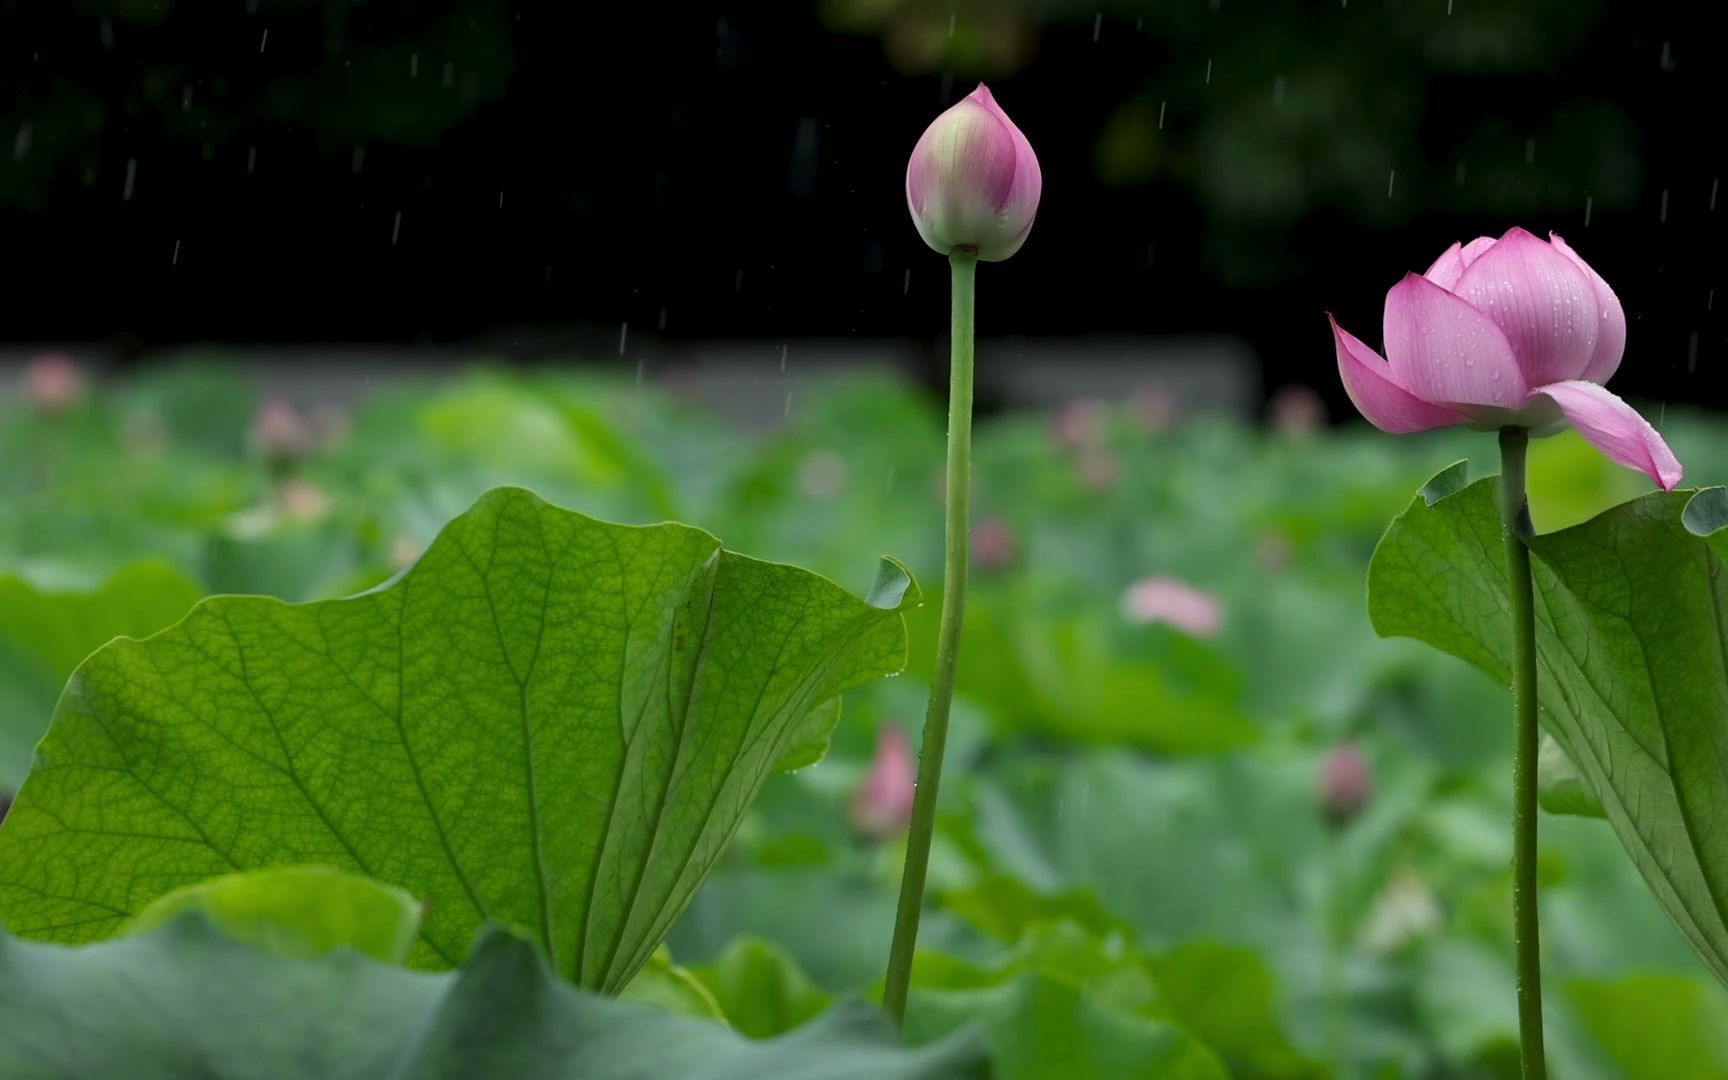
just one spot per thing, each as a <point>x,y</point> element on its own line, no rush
<point>822,474</point>
<point>278,431</point>
<point>1173,603</point>
<point>882,805</point>
<point>302,500</point>
<point>973,181</point>
<point>1155,407</point>
<point>1297,411</point>
<point>55,382</point>
<point>994,547</point>
<point>1514,332</point>
<point>1346,784</point>
<point>1080,424</point>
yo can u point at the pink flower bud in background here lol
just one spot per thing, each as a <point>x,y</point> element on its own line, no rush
<point>973,182</point>
<point>994,547</point>
<point>1346,784</point>
<point>881,806</point>
<point>1514,332</point>
<point>822,474</point>
<point>1155,408</point>
<point>1297,411</point>
<point>1173,603</point>
<point>55,382</point>
<point>302,500</point>
<point>278,430</point>
<point>1080,424</point>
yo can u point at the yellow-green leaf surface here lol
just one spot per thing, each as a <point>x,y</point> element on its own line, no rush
<point>1632,661</point>
<point>548,721</point>
<point>297,911</point>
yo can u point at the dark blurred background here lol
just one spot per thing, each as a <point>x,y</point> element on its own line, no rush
<point>530,179</point>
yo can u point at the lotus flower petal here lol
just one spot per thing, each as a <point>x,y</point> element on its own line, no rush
<point>1615,428</point>
<point>1446,352</point>
<point>1541,300</point>
<point>1388,406</point>
<point>1611,335</point>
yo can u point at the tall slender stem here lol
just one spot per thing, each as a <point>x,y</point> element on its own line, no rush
<point>1526,940</point>
<point>959,496</point>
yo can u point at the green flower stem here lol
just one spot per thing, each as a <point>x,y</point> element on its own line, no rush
<point>1526,941</point>
<point>959,496</point>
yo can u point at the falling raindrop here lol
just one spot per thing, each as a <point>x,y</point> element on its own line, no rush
<point>1391,179</point>
<point>1667,61</point>
<point>788,411</point>
<point>1714,184</point>
<point>396,230</point>
<point>1162,105</point>
<point>662,316</point>
<point>1589,205</point>
<point>1208,71</point>
<point>1448,7</point>
<point>623,337</point>
<point>1097,26</point>
<point>1709,299</point>
<point>264,40</point>
<point>107,31</point>
<point>251,159</point>
<point>131,174</point>
<point>1662,215</point>
<point>186,99</point>
<point>21,141</point>
<point>906,283</point>
<point>500,200</point>
<point>951,18</point>
<point>413,65</point>
<point>738,280</point>
<point>782,358</point>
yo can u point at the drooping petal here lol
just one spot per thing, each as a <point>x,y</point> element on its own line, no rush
<point>1542,302</point>
<point>1445,352</point>
<point>1611,334</point>
<point>1385,404</point>
<point>1615,428</point>
<point>1446,268</point>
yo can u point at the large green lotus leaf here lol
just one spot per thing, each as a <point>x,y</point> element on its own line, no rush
<point>760,989</point>
<point>548,721</point>
<point>184,1000</point>
<point>1632,645</point>
<point>46,631</point>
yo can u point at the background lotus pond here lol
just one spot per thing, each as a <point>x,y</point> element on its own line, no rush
<point>1135,871</point>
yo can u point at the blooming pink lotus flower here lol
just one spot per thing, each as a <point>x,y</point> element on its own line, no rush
<point>1175,603</point>
<point>278,430</point>
<point>1346,784</point>
<point>973,181</point>
<point>882,804</point>
<point>1512,332</point>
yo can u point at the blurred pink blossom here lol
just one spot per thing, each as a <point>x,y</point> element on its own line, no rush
<point>994,546</point>
<point>1080,424</point>
<point>1346,784</point>
<point>302,500</point>
<point>1174,603</point>
<point>279,431</point>
<point>881,805</point>
<point>1155,407</point>
<point>1297,410</point>
<point>55,382</point>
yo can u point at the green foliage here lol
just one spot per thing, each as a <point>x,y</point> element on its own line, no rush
<point>1630,642</point>
<point>760,989</point>
<point>548,720</point>
<point>45,631</point>
<point>297,911</point>
<point>221,1009</point>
